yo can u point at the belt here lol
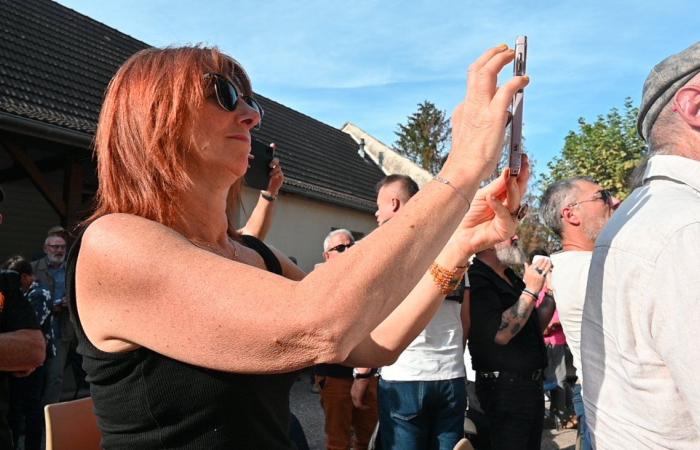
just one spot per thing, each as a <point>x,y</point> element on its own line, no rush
<point>531,376</point>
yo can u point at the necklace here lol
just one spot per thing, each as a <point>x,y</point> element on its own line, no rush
<point>217,251</point>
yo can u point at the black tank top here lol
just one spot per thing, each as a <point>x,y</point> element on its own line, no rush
<point>144,400</point>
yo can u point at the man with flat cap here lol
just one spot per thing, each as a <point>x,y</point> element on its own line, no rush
<point>640,333</point>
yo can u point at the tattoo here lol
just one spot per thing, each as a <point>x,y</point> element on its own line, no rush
<point>514,316</point>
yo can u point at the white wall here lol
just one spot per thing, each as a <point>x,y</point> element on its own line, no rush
<point>301,224</point>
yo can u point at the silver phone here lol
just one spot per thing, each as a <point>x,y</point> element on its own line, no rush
<point>515,151</point>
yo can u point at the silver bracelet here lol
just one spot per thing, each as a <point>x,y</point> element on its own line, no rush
<point>444,181</point>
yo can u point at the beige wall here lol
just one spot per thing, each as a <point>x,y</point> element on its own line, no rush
<point>27,218</point>
<point>301,224</point>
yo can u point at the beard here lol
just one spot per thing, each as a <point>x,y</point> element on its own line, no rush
<point>510,255</point>
<point>56,259</point>
<point>592,228</point>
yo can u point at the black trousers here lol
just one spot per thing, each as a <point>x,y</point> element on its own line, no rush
<point>514,413</point>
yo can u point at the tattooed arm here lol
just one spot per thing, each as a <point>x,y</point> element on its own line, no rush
<point>514,318</point>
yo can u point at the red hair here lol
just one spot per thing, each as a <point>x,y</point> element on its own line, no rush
<point>144,132</point>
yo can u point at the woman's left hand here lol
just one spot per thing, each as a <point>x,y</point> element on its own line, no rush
<point>492,215</point>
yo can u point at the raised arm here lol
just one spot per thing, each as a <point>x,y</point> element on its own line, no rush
<point>386,342</point>
<point>227,315</point>
<point>260,220</point>
<point>514,318</point>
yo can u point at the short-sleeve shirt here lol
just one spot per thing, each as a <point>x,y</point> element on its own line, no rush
<point>15,314</point>
<point>491,296</point>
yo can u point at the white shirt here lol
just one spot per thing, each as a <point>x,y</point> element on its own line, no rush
<point>569,278</point>
<point>437,352</point>
<point>640,333</point>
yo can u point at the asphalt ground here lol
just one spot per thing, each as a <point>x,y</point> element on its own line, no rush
<point>306,406</point>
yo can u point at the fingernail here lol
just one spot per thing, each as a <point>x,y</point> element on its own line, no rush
<point>527,78</point>
<point>503,47</point>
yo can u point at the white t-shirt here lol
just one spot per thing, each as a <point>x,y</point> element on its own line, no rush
<point>437,352</point>
<point>569,278</point>
<point>639,336</point>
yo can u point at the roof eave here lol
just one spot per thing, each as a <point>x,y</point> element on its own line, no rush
<point>43,130</point>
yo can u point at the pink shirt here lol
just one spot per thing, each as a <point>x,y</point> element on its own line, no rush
<point>554,335</point>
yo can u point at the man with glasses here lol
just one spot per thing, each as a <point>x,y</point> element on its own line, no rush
<point>344,409</point>
<point>639,334</point>
<point>422,396</point>
<point>50,272</point>
<point>575,209</point>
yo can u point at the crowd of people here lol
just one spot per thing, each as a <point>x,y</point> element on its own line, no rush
<point>604,325</point>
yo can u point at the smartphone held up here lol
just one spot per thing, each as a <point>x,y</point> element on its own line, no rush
<point>515,134</point>
<point>258,174</point>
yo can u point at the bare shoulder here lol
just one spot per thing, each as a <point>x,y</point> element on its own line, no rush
<point>112,231</point>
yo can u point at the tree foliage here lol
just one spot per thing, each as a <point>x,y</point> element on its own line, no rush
<point>607,150</point>
<point>424,137</point>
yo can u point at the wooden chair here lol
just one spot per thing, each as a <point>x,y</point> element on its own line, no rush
<point>72,426</point>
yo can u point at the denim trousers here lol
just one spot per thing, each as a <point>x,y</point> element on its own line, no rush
<point>421,415</point>
<point>583,436</point>
<point>514,411</point>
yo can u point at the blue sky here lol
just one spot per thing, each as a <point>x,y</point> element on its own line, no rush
<point>371,62</point>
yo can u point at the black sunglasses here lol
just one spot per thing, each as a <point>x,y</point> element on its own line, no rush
<point>604,194</point>
<point>227,95</point>
<point>340,248</point>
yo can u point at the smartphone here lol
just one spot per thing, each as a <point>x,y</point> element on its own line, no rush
<point>515,151</point>
<point>258,174</point>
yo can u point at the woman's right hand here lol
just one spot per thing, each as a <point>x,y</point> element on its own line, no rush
<point>536,274</point>
<point>478,123</point>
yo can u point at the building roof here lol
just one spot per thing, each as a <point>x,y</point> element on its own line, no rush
<point>55,65</point>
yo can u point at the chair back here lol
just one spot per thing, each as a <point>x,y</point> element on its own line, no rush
<point>72,426</point>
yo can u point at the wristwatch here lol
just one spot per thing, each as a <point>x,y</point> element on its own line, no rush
<point>268,196</point>
<point>370,374</point>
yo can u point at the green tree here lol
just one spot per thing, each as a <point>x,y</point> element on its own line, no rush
<point>607,150</point>
<point>424,137</point>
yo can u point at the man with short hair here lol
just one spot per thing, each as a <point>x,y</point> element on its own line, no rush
<point>507,347</point>
<point>340,383</point>
<point>575,209</point>
<point>639,336</point>
<point>422,396</point>
<point>50,272</point>
<point>22,346</point>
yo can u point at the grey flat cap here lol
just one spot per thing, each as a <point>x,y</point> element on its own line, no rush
<point>665,79</point>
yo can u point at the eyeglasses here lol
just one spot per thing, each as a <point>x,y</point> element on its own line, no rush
<point>227,95</point>
<point>605,195</point>
<point>340,248</point>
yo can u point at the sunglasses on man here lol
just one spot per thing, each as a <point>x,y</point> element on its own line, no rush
<point>340,248</point>
<point>227,95</point>
<point>604,194</point>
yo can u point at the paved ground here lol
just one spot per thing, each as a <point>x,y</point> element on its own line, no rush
<point>307,407</point>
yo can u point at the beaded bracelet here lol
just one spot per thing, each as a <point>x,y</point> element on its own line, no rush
<point>447,280</point>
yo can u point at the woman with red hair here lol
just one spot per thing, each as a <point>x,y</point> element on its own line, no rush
<point>189,330</point>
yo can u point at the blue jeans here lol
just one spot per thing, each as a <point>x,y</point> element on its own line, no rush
<point>418,415</point>
<point>580,413</point>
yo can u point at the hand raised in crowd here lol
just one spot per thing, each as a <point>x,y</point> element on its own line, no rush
<point>492,216</point>
<point>536,274</point>
<point>276,177</point>
<point>478,123</point>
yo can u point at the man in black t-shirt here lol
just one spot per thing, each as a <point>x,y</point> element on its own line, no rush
<point>22,346</point>
<point>507,348</point>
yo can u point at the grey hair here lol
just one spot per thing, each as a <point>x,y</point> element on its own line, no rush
<point>557,196</point>
<point>327,240</point>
